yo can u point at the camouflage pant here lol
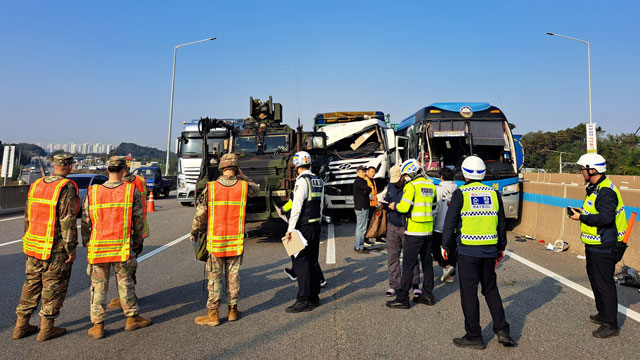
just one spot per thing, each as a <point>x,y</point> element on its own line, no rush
<point>100,284</point>
<point>46,279</point>
<point>231,267</point>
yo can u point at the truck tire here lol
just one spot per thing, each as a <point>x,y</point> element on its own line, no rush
<point>166,192</point>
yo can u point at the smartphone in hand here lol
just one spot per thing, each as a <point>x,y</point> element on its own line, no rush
<point>570,213</point>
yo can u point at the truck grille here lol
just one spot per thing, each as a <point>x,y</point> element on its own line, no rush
<point>191,174</point>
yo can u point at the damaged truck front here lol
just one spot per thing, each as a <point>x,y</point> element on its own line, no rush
<point>354,138</point>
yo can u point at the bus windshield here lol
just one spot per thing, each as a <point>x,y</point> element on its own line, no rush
<point>272,142</point>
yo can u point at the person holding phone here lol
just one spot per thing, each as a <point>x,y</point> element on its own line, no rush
<point>603,224</point>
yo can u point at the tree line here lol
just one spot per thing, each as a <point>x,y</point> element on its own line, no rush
<point>622,151</point>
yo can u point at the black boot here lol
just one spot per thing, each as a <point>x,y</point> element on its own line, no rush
<point>298,307</point>
<point>606,331</point>
<point>505,339</point>
<point>465,342</point>
<point>398,304</point>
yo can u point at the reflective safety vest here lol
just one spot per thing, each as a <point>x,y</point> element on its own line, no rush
<point>311,206</point>
<point>227,211</point>
<point>590,234</point>
<point>42,203</point>
<point>418,198</point>
<point>373,197</point>
<point>110,211</point>
<point>141,186</point>
<point>479,215</point>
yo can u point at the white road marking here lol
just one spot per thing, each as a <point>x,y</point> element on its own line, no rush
<point>162,248</point>
<point>13,218</point>
<point>331,245</point>
<point>563,280</point>
<point>11,242</point>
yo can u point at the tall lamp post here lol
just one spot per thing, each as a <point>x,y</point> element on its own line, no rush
<point>591,132</point>
<point>560,160</point>
<point>173,81</point>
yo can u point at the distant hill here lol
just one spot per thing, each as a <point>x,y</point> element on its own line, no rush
<point>28,150</point>
<point>139,152</point>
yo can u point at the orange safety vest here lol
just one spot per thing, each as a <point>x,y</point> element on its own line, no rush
<point>110,212</point>
<point>373,198</point>
<point>227,209</point>
<point>42,202</point>
<point>141,186</point>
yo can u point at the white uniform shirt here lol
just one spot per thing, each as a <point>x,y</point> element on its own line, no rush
<point>300,194</point>
<point>444,192</point>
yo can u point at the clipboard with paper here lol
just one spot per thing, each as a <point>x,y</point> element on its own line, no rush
<point>295,245</point>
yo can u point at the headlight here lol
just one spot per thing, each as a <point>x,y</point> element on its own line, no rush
<point>510,189</point>
<point>180,184</point>
<point>279,193</point>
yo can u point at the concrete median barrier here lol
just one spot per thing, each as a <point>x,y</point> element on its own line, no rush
<point>544,211</point>
<point>13,198</point>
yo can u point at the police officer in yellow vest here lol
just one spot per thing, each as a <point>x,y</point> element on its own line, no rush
<point>305,217</point>
<point>418,202</point>
<point>603,224</point>
<point>475,219</point>
<point>221,212</point>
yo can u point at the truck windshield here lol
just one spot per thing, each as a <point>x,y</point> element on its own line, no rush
<point>193,148</point>
<point>145,173</point>
<point>271,143</point>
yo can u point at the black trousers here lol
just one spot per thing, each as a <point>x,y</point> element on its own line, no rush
<point>600,269</point>
<point>471,271</point>
<point>306,264</point>
<point>437,255</point>
<point>415,246</point>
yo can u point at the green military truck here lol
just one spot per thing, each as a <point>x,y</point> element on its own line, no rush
<point>265,147</point>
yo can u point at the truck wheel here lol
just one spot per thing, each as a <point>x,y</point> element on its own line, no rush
<point>166,192</point>
<point>185,204</point>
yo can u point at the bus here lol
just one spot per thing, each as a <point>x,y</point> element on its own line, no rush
<point>444,134</point>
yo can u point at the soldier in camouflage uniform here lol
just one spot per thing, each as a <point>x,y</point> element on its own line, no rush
<point>130,178</point>
<point>49,279</point>
<point>123,270</point>
<point>216,266</point>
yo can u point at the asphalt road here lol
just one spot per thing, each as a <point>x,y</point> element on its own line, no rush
<point>548,319</point>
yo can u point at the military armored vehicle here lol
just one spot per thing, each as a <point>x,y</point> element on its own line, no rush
<point>265,146</point>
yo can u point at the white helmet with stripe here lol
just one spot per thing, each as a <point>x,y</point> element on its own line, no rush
<point>301,158</point>
<point>473,168</point>
<point>593,161</point>
<point>410,166</point>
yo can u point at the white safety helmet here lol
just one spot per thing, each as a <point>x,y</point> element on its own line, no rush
<point>473,168</point>
<point>409,166</point>
<point>593,161</point>
<point>301,158</point>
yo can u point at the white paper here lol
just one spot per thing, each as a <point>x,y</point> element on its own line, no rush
<point>304,242</point>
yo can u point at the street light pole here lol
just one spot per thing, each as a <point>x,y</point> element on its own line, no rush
<point>173,81</point>
<point>560,161</point>
<point>588,65</point>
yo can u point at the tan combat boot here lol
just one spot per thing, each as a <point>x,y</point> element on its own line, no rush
<point>23,328</point>
<point>211,319</point>
<point>48,331</point>
<point>234,314</point>
<point>114,304</point>
<point>136,322</point>
<point>97,331</point>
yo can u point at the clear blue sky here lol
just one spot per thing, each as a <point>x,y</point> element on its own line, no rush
<point>101,71</point>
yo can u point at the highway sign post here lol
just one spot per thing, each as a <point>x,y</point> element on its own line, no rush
<point>7,162</point>
<point>592,138</point>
